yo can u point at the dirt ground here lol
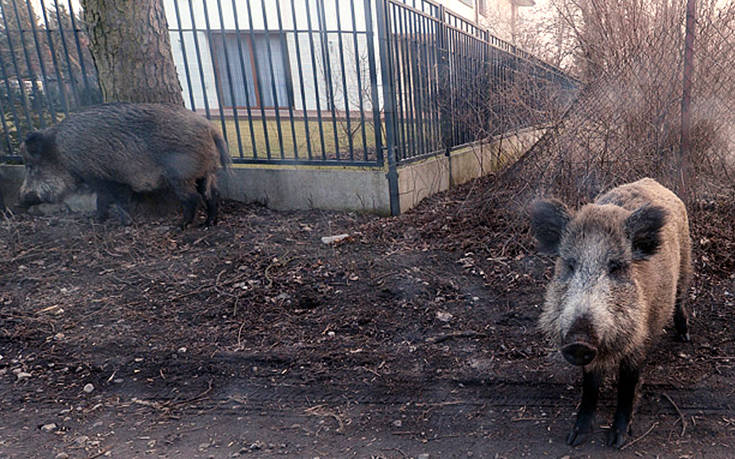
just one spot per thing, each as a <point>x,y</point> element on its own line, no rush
<point>414,337</point>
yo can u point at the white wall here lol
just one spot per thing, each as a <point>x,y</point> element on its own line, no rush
<point>461,8</point>
<point>200,86</point>
<point>293,16</point>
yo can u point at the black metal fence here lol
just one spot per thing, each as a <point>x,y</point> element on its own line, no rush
<point>46,70</point>
<point>344,82</point>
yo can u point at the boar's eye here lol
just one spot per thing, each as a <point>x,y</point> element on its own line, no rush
<point>615,266</point>
<point>571,265</point>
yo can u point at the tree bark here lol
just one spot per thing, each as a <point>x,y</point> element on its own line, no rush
<point>130,44</point>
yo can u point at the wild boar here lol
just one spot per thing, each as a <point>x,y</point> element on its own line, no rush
<point>622,271</point>
<point>124,148</point>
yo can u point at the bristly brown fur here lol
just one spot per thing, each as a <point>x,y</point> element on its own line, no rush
<point>631,315</point>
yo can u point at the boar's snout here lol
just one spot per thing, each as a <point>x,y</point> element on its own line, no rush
<point>579,353</point>
<point>579,345</point>
<point>28,199</point>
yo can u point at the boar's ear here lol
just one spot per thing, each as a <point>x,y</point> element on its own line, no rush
<point>643,228</point>
<point>35,143</point>
<point>549,217</point>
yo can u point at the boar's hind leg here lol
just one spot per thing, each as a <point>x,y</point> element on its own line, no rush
<point>111,194</point>
<point>190,200</point>
<point>681,322</point>
<point>681,315</point>
<point>208,190</point>
<point>627,381</point>
<point>586,415</point>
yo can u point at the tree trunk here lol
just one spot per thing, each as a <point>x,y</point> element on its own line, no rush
<point>130,44</point>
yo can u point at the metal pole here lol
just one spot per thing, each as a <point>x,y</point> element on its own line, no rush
<point>389,107</point>
<point>685,147</point>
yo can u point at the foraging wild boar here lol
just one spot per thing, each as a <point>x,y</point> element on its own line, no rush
<point>622,271</point>
<point>118,149</point>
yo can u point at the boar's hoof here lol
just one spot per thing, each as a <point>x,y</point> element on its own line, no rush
<point>581,430</point>
<point>684,337</point>
<point>616,437</point>
<point>579,353</point>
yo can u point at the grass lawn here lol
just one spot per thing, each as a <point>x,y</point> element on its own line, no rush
<point>299,133</point>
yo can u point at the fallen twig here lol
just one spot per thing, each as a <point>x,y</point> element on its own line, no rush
<point>195,399</point>
<point>323,411</point>
<point>276,262</point>
<point>459,334</point>
<point>101,453</point>
<point>681,416</point>
<point>633,442</point>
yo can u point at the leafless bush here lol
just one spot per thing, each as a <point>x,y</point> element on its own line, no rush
<point>626,123</point>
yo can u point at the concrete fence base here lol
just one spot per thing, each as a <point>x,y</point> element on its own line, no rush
<point>325,187</point>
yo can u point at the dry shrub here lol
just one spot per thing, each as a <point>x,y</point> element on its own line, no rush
<point>626,122</point>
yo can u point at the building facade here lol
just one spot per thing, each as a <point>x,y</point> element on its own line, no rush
<point>288,53</point>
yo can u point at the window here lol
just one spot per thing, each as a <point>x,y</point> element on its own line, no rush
<point>244,84</point>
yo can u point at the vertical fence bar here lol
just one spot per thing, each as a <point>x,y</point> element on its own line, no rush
<point>11,98</point>
<point>41,66</point>
<point>405,70</point>
<point>228,72</point>
<point>183,54</point>
<point>316,80</point>
<point>289,83</point>
<point>430,49</point>
<point>443,80</point>
<point>82,67</point>
<point>217,80</point>
<point>344,81</point>
<point>57,69</point>
<point>373,74</point>
<point>307,131</point>
<point>328,70</point>
<point>269,54</point>
<point>244,73</point>
<point>6,133</point>
<point>21,86</point>
<point>394,46</point>
<point>197,50</point>
<point>418,81</point>
<point>258,90</point>
<point>385,67</point>
<point>359,77</point>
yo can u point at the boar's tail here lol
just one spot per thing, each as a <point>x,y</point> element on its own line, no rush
<point>224,155</point>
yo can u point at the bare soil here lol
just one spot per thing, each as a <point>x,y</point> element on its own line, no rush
<point>415,335</point>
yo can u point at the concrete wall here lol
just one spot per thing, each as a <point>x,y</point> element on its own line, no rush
<point>278,187</point>
<point>10,179</point>
<point>304,187</point>
<point>421,179</point>
<point>341,188</point>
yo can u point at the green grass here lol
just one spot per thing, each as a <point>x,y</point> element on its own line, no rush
<point>258,136</point>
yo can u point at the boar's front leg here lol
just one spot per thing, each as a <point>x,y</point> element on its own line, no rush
<point>112,194</point>
<point>586,415</point>
<point>627,381</point>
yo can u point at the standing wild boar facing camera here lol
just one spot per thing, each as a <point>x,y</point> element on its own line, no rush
<point>622,272</point>
<point>120,149</point>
